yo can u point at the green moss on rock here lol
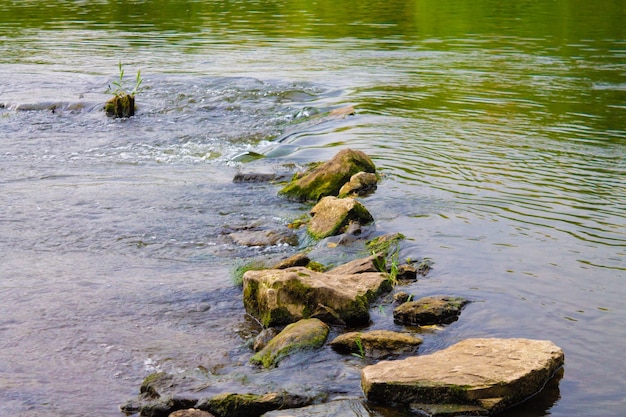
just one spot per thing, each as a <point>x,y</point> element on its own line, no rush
<point>303,335</point>
<point>328,178</point>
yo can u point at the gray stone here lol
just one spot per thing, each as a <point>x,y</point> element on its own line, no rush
<point>429,310</point>
<point>264,237</point>
<point>282,296</point>
<point>478,376</point>
<point>332,215</point>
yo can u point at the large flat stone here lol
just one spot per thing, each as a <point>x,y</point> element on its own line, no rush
<point>485,376</point>
<point>283,296</point>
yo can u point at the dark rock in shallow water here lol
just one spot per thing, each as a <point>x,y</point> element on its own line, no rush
<point>158,408</point>
<point>264,238</point>
<point>191,412</point>
<point>376,343</point>
<point>430,310</point>
<point>251,405</point>
<point>472,377</point>
<point>253,177</point>
<point>298,259</point>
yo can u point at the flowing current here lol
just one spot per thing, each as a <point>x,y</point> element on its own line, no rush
<point>499,132</point>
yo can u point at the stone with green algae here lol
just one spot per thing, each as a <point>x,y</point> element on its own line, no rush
<point>328,178</point>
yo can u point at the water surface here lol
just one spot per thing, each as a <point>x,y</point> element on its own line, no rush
<point>500,131</point>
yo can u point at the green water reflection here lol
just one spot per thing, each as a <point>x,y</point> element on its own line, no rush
<point>558,22</point>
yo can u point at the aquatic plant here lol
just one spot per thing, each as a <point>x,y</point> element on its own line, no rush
<point>122,104</point>
<point>360,347</point>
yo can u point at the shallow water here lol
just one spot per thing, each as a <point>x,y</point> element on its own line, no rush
<point>500,132</point>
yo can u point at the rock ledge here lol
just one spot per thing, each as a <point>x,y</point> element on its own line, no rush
<point>477,376</point>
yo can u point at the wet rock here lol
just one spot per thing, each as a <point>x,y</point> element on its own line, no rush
<point>156,384</point>
<point>406,272</point>
<point>282,296</point>
<point>340,408</point>
<point>263,338</point>
<point>376,343</point>
<point>472,377</point>
<point>307,334</point>
<point>401,297</point>
<point>386,244</point>
<point>191,412</point>
<point>360,184</point>
<point>120,106</point>
<point>332,215</point>
<point>264,238</point>
<point>328,178</point>
<point>358,266</point>
<point>429,310</point>
<point>251,405</point>
<point>255,177</point>
<point>298,259</point>
<point>158,408</point>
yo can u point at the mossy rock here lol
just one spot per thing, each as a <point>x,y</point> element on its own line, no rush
<point>120,106</point>
<point>305,334</point>
<point>328,178</point>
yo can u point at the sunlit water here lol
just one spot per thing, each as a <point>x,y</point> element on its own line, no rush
<point>500,135</point>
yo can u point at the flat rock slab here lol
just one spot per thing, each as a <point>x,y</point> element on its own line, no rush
<point>472,377</point>
<point>283,296</point>
<point>429,310</point>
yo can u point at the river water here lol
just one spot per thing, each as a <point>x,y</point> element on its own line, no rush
<point>499,129</point>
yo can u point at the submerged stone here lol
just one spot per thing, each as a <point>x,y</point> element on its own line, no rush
<point>191,412</point>
<point>250,405</point>
<point>472,377</point>
<point>305,334</point>
<point>328,178</point>
<point>339,408</point>
<point>264,238</point>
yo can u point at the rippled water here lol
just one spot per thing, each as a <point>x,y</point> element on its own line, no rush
<point>500,132</point>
